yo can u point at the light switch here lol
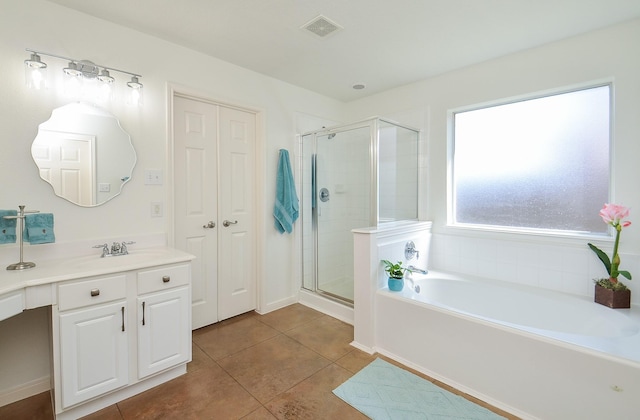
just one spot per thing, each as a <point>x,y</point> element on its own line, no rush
<point>152,177</point>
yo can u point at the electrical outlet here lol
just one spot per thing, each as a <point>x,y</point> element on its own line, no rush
<point>156,209</point>
<point>104,187</point>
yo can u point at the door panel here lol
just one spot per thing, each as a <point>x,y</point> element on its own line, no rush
<point>196,195</point>
<point>68,164</point>
<point>214,160</point>
<point>237,278</point>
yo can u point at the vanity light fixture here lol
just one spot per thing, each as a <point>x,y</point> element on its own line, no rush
<point>72,70</point>
<point>81,74</point>
<point>35,71</point>
<point>105,77</point>
<point>135,98</point>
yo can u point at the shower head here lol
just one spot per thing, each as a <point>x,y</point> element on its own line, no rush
<point>332,135</point>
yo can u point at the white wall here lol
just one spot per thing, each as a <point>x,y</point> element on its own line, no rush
<point>44,26</point>
<point>559,264</point>
<point>51,28</point>
<point>41,25</point>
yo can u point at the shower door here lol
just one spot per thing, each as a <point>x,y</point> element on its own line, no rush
<point>340,200</point>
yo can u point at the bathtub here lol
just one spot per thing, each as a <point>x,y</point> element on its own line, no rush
<point>533,352</point>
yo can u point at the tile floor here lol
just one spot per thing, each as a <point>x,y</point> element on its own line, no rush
<point>282,365</point>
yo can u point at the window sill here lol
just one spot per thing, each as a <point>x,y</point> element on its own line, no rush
<point>529,235</point>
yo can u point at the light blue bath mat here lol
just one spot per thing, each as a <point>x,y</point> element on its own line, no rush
<point>384,391</point>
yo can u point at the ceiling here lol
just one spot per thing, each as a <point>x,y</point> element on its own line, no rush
<point>382,44</point>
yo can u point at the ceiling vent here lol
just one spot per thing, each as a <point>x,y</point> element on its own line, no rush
<point>321,26</point>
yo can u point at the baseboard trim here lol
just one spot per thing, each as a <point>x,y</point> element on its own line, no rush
<point>25,390</point>
<point>274,306</point>
<point>114,397</point>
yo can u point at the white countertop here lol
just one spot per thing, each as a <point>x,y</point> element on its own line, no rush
<point>52,271</point>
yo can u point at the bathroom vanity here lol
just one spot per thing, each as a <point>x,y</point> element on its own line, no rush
<point>119,325</point>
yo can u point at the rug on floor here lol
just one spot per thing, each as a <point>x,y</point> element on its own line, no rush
<point>383,391</point>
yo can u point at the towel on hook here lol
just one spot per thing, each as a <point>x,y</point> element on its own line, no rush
<point>8,227</point>
<point>38,228</point>
<point>285,210</point>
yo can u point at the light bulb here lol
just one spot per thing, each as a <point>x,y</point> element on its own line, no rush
<point>35,72</point>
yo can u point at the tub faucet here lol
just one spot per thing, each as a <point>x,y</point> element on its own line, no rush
<point>414,269</point>
<point>410,250</point>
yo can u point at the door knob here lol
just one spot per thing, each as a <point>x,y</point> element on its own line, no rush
<point>227,223</point>
<point>209,225</point>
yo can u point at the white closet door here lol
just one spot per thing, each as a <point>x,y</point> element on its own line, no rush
<point>237,251</point>
<point>196,200</point>
<point>214,167</point>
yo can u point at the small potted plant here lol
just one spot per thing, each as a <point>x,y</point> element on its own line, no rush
<point>396,275</point>
<point>610,291</point>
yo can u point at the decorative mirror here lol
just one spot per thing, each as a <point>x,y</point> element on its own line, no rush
<point>84,153</point>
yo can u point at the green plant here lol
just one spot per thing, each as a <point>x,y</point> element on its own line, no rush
<point>607,284</point>
<point>395,271</point>
<point>613,214</point>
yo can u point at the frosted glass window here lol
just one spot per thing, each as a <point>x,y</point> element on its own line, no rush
<point>541,163</point>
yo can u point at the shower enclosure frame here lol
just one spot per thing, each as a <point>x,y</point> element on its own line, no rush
<point>373,124</point>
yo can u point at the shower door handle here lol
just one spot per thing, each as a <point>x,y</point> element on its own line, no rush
<point>324,195</point>
<point>227,223</point>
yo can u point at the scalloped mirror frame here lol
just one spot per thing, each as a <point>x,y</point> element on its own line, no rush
<point>83,152</point>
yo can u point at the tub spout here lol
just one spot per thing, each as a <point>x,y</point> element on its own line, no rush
<point>414,269</point>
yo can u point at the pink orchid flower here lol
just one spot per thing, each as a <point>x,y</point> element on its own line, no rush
<point>613,214</point>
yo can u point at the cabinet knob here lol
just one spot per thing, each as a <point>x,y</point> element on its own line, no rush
<point>166,279</point>
<point>95,292</point>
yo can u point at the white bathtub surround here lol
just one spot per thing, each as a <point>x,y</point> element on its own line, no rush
<point>524,363</point>
<point>539,348</point>
<point>566,265</point>
<point>568,318</point>
<point>370,246</point>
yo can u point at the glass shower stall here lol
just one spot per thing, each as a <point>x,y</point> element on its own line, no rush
<point>353,176</point>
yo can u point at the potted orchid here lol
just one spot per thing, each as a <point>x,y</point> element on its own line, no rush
<point>610,291</point>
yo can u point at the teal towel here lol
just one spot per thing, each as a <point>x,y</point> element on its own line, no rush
<point>285,210</point>
<point>7,227</point>
<point>38,228</point>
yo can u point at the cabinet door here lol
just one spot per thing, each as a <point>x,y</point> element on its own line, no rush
<point>93,352</point>
<point>164,330</point>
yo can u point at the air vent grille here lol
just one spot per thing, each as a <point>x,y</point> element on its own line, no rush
<point>321,26</point>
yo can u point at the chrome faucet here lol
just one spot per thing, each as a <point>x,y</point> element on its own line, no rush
<point>414,269</point>
<point>408,276</point>
<point>117,249</point>
<point>105,249</point>
<point>410,251</point>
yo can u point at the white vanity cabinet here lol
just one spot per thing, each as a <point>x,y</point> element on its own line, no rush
<point>118,334</point>
<point>93,352</point>
<point>90,339</point>
<point>164,324</point>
